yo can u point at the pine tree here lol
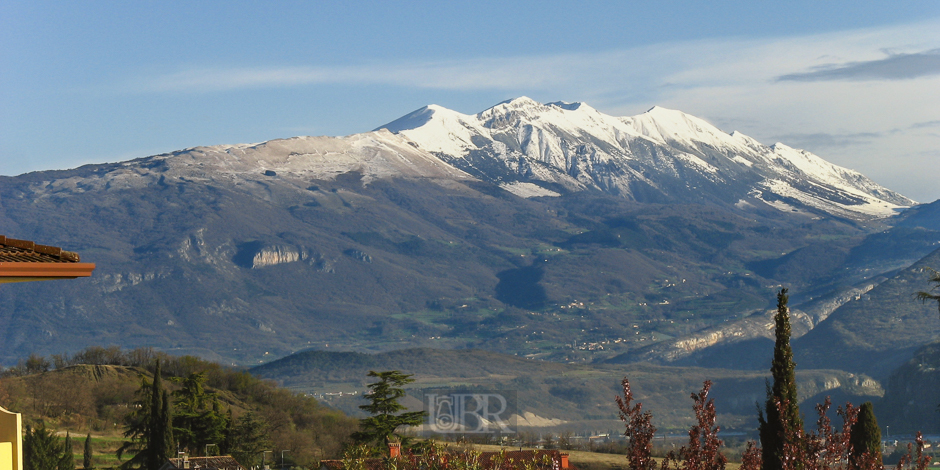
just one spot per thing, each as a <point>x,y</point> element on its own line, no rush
<point>248,439</point>
<point>925,296</point>
<point>383,403</point>
<point>137,425</point>
<point>866,437</point>
<point>198,418</point>
<point>781,410</point>
<point>41,449</point>
<point>87,454</point>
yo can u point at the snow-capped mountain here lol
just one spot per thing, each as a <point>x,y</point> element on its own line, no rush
<point>662,155</point>
<point>529,149</point>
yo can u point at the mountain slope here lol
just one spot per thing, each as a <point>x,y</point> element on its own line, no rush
<point>377,241</point>
<point>659,156</point>
<point>912,393</point>
<point>580,396</point>
<point>878,330</point>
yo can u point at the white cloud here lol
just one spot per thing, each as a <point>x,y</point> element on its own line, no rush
<point>681,64</point>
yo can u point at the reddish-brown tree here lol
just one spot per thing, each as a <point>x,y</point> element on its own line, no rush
<point>704,449</point>
<point>639,430</point>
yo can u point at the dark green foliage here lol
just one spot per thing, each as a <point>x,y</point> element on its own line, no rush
<point>149,427</point>
<point>168,447</point>
<point>926,296</point>
<point>41,449</point>
<point>161,442</point>
<point>87,454</point>
<point>137,426</point>
<point>781,414</point>
<point>383,405</point>
<point>198,418</point>
<point>67,460</point>
<point>866,437</point>
<point>249,437</point>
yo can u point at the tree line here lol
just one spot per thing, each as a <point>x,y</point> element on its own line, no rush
<point>784,443</point>
<point>210,406</point>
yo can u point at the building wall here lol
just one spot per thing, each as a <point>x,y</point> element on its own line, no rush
<point>11,440</point>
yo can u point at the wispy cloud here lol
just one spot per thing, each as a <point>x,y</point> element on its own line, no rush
<point>822,140</point>
<point>535,72</point>
<point>613,76</point>
<point>925,124</point>
<point>893,67</point>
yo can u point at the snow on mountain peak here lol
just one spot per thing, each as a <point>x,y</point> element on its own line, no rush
<point>668,125</point>
<point>664,150</point>
<point>520,102</point>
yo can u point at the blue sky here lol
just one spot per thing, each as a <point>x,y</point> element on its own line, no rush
<point>86,82</point>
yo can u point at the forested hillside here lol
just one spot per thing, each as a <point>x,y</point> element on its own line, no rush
<point>94,391</point>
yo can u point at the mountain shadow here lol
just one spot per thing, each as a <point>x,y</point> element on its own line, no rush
<point>520,287</point>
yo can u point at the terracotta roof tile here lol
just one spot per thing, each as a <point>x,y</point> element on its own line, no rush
<point>25,251</point>
<point>23,260</point>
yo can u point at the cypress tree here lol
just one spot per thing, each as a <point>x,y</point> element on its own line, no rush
<point>774,425</point>
<point>160,435</point>
<point>866,437</point>
<point>67,460</point>
<point>86,455</point>
<point>169,444</point>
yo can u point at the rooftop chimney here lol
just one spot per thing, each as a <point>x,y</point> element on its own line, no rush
<point>564,460</point>
<point>394,449</point>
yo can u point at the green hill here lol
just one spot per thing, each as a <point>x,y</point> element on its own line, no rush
<point>581,395</point>
<point>68,394</point>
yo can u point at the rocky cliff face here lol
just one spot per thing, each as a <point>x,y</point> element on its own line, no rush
<point>256,254</point>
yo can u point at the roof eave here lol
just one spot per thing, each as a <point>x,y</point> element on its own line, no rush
<point>21,272</point>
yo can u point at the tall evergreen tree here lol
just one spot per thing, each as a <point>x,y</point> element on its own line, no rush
<point>866,437</point>
<point>149,427</point>
<point>781,410</point>
<point>87,454</point>
<point>41,449</point>
<point>198,419</point>
<point>137,425</point>
<point>157,441</point>
<point>67,460</point>
<point>162,446</point>
<point>383,405</point>
<point>249,438</point>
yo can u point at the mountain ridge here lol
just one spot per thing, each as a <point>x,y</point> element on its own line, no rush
<point>361,234</point>
<point>662,153</point>
<point>533,149</point>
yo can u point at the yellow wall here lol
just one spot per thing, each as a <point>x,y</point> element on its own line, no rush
<point>6,456</point>
<point>11,440</point>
